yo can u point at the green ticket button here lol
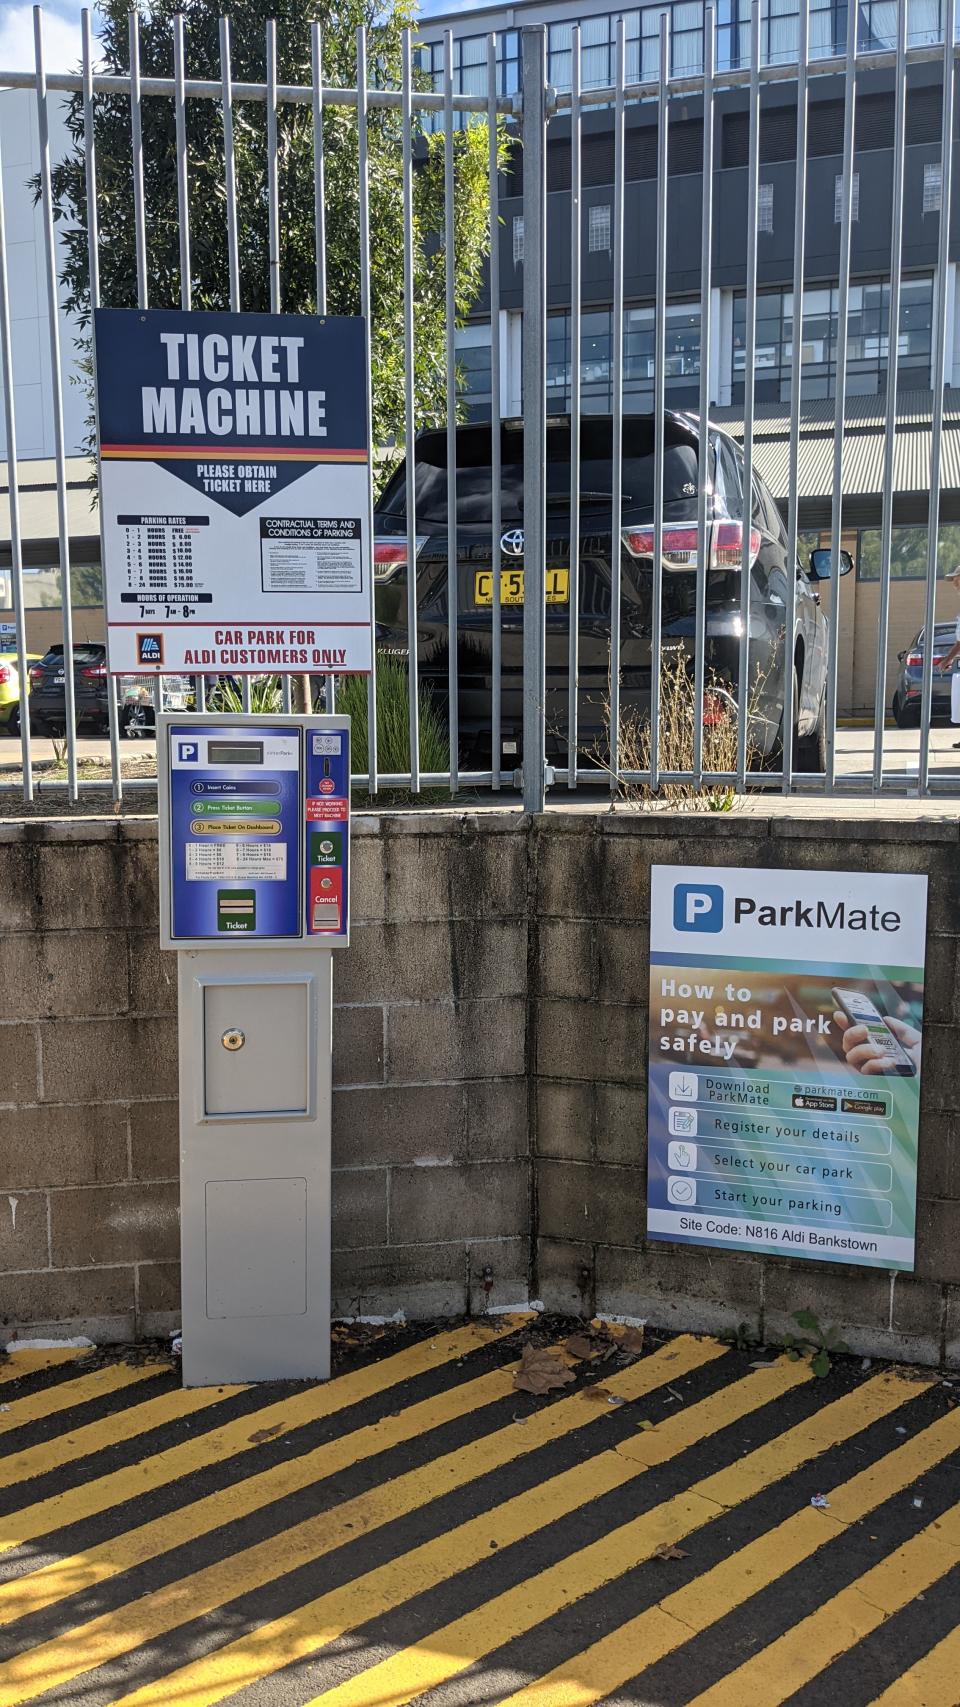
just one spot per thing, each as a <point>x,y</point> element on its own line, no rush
<point>235,808</point>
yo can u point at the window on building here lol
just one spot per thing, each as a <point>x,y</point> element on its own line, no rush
<point>765,207</point>
<point>867,339</point>
<point>932,186</point>
<point>598,229</point>
<point>838,198</point>
<point>469,69</point>
<point>473,370</point>
<point>908,553</point>
<point>682,369</point>
<point>517,239</point>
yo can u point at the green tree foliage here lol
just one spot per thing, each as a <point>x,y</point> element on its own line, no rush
<point>339,20</point>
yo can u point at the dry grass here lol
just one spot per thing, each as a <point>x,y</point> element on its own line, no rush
<point>675,747</point>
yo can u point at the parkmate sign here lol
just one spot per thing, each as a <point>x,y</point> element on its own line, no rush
<point>234,455</point>
<point>786,1016</point>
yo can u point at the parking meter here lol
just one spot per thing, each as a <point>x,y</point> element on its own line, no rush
<point>254,898</point>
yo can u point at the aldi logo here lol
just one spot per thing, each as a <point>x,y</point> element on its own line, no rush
<point>150,650</point>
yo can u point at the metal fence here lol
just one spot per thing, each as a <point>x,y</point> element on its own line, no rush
<point>531,115</point>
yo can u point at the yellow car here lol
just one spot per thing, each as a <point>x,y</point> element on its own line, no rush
<point>10,689</point>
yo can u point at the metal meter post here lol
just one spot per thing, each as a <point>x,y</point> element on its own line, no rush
<point>254,896</point>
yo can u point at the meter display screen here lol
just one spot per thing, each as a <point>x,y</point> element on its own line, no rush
<point>234,752</point>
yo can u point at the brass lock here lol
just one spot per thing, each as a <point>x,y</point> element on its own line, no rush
<point>233,1039</point>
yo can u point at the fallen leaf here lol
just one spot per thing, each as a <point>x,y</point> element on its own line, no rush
<point>645,1423</point>
<point>263,1434</point>
<point>632,1340</point>
<point>540,1371</point>
<point>669,1551</point>
<point>579,1346</point>
<point>599,1395</point>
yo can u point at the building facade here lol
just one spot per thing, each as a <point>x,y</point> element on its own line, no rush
<point>869,329</point>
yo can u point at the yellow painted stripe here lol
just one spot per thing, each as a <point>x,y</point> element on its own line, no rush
<point>232,1438</point>
<point>25,1362</point>
<point>120,1425</point>
<point>111,1379</point>
<point>301,1632</point>
<point>606,1666</point>
<point>785,1665</point>
<point>457,1646</point>
<point>933,1682</point>
<point>320,1535</point>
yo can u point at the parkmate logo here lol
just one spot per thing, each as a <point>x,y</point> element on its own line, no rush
<point>700,907</point>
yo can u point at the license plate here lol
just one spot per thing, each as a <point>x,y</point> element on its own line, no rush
<point>511,587</point>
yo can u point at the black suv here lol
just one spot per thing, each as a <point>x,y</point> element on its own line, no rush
<point>48,690</point>
<point>769,572</point>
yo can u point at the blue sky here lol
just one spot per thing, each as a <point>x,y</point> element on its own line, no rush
<point>62,31</point>
<point>61,35</point>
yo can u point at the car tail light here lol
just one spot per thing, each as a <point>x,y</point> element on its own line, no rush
<point>94,670</point>
<point>680,545</point>
<point>727,546</point>
<point>36,674</point>
<point>914,660</point>
<point>6,674</point>
<point>714,710</point>
<point>390,556</point>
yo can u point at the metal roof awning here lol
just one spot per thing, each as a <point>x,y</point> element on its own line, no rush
<point>39,517</point>
<point>864,440</point>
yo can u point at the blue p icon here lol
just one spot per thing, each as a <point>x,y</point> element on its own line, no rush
<point>697,907</point>
<point>188,750</point>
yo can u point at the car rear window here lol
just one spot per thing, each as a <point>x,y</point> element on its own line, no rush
<point>82,655</point>
<point>474,479</point>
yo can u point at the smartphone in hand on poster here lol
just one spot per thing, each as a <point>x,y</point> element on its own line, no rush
<point>859,1010</point>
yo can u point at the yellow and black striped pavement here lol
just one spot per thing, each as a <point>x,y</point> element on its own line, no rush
<point>418,1530</point>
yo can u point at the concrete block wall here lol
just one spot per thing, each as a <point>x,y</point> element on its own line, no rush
<point>489,1078</point>
<point>431,1197</point>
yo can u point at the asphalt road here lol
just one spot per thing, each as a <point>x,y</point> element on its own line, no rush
<point>693,1525</point>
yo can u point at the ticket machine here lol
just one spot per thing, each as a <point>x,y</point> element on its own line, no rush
<point>254,898</point>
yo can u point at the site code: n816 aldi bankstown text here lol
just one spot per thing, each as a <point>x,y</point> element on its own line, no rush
<point>784,1079</point>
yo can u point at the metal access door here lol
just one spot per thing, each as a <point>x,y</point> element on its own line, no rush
<point>255,1164</point>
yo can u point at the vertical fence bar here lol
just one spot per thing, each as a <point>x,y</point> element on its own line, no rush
<point>496,525</point>
<point>233,247</point>
<point>843,312</point>
<point>364,211</point>
<point>450,317</point>
<point>616,411</point>
<point>703,468</point>
<point>796,388</point>
<point>320,231</point>
<point>136,133</point>
<point>229,166</point>
<point>576,288</point>
<point>273,223</point>
<point>410,422</point>
<point>183,188</point>
<point>93,264</point>
<point>534,376</point>
<point>56,382</point>
<point>659,399</point>
<point>273,176</point>
<point>13,485</point>
<point>943,333</point>
<point>319,210</point>
<point>749,381</point>
<point>893,358</point>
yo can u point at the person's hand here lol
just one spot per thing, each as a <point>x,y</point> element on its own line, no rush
<point>868,1057</point>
